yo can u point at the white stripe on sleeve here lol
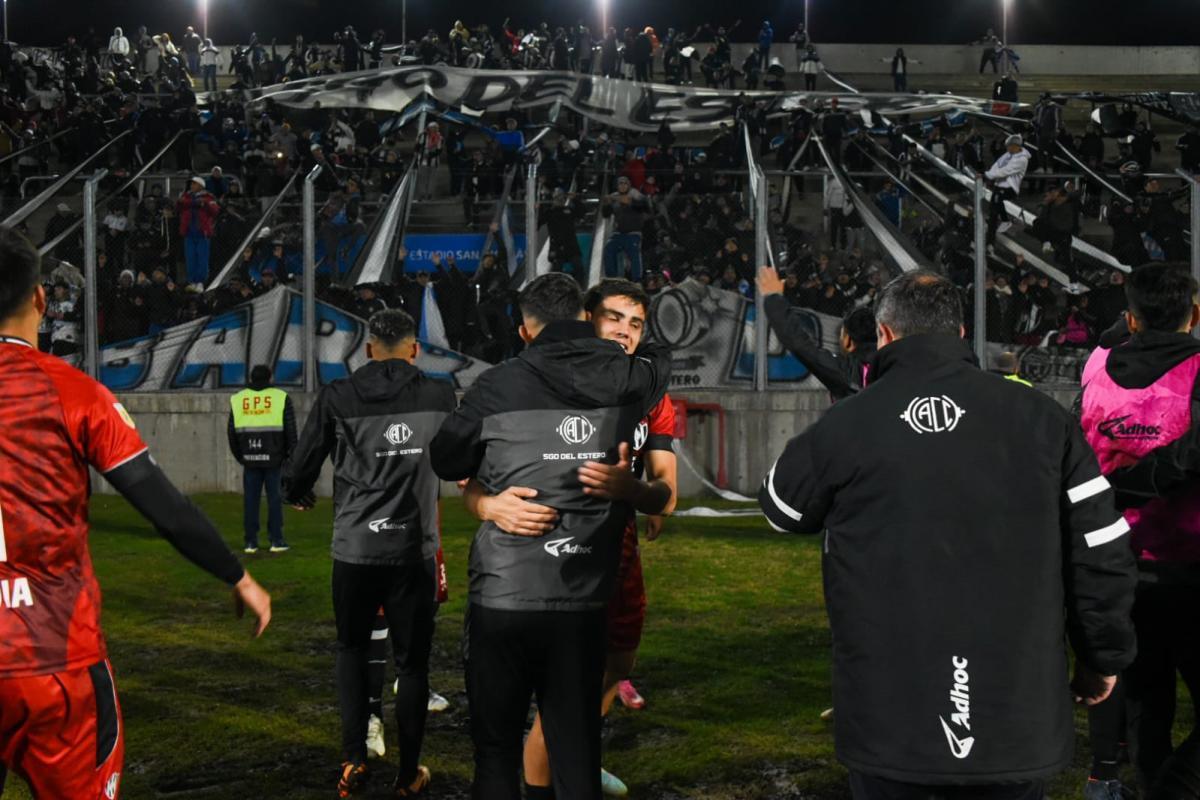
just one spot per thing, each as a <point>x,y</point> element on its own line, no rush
<point>776,527</point>
<point>779,504</point>
<point>1088,489</point>
<point>1106,535</point>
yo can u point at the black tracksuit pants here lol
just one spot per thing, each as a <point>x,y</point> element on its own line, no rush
<point>996,211</point>
<point>557,656</point>
<point>1167,618</point>
<point>407,594</point>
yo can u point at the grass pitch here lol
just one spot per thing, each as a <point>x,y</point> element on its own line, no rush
<point>733,664</point>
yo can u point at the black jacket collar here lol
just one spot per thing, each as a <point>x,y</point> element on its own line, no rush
<point>922,352</point>
<point>1148,356</point>
<point>564,331</point>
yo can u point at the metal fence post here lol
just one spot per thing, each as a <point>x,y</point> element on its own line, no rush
<point>91,332</point>
<point>1196,228</point>
<point>309,343</point>
<point>981,274</point>
<point>761,258</point>
<point>825,212</point>
<point>1195,225</point>
<point>531,223</point>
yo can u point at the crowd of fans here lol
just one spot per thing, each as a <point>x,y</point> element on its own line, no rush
<point>673,211</point>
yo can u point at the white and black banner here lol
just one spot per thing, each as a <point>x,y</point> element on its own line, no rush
<point>609,101</point>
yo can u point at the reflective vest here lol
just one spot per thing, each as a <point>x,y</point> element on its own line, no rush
<point>258,426</point>
<point>1122,426</point>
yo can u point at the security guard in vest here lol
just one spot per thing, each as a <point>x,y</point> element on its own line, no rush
<point>262,434</point>
<point>1009,368</point>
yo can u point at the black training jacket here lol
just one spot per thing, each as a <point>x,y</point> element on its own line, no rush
<point>842,375</point>
<point>377,425</point>
<point>969,533</point>
<point>532,421</point>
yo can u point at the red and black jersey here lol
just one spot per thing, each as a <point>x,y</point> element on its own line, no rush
<point>54,422</point>
<point>655,432</point>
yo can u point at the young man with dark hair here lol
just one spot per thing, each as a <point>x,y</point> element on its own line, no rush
<point>62,729</point>
<point>262,434</point>
<point>377,425</point>
<point>1137,405</point>
<point>924,497</point>
<point>843,374</point>
<point>568,404</point>
<point>617,309</point>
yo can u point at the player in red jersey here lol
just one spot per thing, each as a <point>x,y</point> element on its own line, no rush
<point>60,722</point>
<point>644,478</point>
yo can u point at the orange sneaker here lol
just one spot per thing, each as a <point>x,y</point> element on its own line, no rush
<point>354,777</point>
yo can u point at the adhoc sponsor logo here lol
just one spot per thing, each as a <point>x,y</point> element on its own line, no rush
<point>576,430</point>
<point>933,414</point>
<point>1117,428</point>
<point>398,433</point>
<point>386,524</point>
<point>557,547</point>
<point>110,787</point>
<point>960,698</point>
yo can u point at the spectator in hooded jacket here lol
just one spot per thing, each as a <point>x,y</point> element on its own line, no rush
<point>118,45</point>
<point>1005,177</point>
<point>209,55</point>
<point>197,210</point>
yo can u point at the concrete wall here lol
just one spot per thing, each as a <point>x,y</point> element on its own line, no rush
<point>187,435</point>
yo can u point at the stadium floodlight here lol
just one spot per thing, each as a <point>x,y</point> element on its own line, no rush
<point>203,17</point>
<point>806,29</point>
<point>1004,6</point>
<point>603,17</point>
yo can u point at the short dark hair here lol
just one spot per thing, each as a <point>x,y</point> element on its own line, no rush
<point>1160,295</point>
<point>260,377</point>
<point>859,325</point>
<point>20,270</point>
<point>391,326</point>
<point>920,302</point>
<point>615,287</point>
<point>551,298</point>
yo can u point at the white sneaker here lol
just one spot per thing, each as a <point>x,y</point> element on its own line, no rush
<point>1004,227</point>
<point>1047,248</point>
<point>249,549</point>
<point>375,746</point>
<point>437,703</point>
<point>611,785</point>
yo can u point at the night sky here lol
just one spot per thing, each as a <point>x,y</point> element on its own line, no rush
<point>1098,22</point>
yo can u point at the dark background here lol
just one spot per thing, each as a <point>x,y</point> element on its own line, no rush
<point>1097,22</point>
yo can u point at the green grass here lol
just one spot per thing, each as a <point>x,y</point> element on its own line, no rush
<point>734,666</point>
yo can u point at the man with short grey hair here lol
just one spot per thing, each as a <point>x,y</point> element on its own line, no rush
<point>948,602</point>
